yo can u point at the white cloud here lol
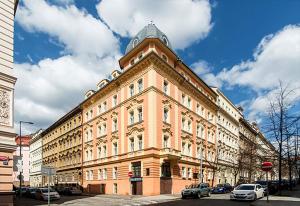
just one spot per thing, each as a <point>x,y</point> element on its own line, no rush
<point>79,31</point>
<point>277,57</point>
<point>183,21</point>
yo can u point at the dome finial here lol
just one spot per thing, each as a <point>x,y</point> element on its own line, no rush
<point>151,22</point>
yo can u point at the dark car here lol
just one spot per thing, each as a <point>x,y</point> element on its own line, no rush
<point>222,188</point>
<point>30,192</point>
<point>71,191</point>
<point>196,190</point>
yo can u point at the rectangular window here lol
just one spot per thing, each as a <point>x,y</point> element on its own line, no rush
<point>183,172</point>
<point>189,102</point>
<point>131,90</point>
<point>104,151</point>
<point>166,142</point>
<point>140,139</point>
<point>189,173</point>
<point>115,173</point>
<point>166,115</point>
<point>189,126</point>
<point>115,189</point>
<point>183,148</point>
<point>198,109</point>
<point>87,175</point>
<point>115,100</point>
<point>131,118</point>
<point>189,149</point>
<point>165,88</point>
<point>131,144</point>
<point>115,148</point>
<point>136,169</point>
<point>140,114</point>
<point>99,174</point>
<point>99,109</point>
<point>99,152</point>
<point>183,124</point>
<point>115,125</point>
<point>183,99</point>
<point>91,175</point>
<point>104,106</point>
<point>104,173</point>
<point>140,85</point>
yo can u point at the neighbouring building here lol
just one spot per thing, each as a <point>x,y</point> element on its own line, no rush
<point>36,158</point>
<point>24,140</point>
<point>227,140</point>
<point>62,146</point>
<point>7,83</point>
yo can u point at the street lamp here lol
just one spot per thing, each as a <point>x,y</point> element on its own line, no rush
<point>20,145</point>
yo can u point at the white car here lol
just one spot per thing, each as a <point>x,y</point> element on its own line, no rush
<point>247,192</point>
<point>42,194</point>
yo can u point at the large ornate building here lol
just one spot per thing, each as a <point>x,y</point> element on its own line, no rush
<point>151,128</point>
<point>7,83</point>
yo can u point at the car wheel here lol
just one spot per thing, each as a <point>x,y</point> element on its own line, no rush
<point>199,195</point>
<point>262,195</point>
<point>208,194</point>
<point>255,197</point>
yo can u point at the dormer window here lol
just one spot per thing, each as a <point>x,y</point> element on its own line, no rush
<point>164,57</point>
<point>132,62</point>
<point>135,42</point>
<point>165,40</point>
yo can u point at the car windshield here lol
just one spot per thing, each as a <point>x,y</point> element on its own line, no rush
<point>245,187</point>
<point>46,190</point>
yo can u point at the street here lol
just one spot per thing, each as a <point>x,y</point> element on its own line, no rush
<point>160,200</point>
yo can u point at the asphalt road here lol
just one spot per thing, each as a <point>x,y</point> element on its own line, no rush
<point>204,202</point>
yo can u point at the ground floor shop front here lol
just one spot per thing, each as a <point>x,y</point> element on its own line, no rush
<point>147,176</point>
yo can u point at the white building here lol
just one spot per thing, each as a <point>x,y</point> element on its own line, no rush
<point>36,159</point>
<point>227,140</point>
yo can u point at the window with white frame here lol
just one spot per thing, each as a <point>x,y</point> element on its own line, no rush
<point>183,99</point>
<point>140,114</point>
<point>166,87</point>
<point>198,108</point>
<point>99,109</point>
<point>87,155</point>
<point>189,126</point>
<point>115,125</point>
<point>104,151</point>
<point>189,102</point>
<point>189,173</point>
<point>115,148</point>
<point>91,154</point>
<point>104,174</point>
<point>87,175</point>
<point>166,115</point>
<point>189,149</point>
<point>104,106</point>
<point>140,85</point>
<point>131,117</point>
<point>131,144</point>
<point>91,175</point>
<point>115,100</point>
<point>140,142</point>
<point>99,174</point>
<point>115,188</point>
<point>166,141</point>
<point>183,147</point>
<point>115,173</point>
<point>99,152</point>
<point>183,124</point>
<point>87,116</point>
<point>131,90</point>
<point>91,114</point>
<point>183,172</point>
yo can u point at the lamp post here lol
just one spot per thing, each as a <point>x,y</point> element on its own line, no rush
<point>20,145</point>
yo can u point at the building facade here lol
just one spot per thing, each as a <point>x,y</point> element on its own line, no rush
<point>24,140</point>
<point>227,140</point>
<point>7,83</point>
<point>36,158</point>
<point>151,128</point>
<point>62,146</point>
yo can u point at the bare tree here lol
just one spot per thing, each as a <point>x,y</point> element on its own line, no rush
<point>280,122</point>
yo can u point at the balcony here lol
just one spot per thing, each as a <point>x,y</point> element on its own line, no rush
<point>170,153</point>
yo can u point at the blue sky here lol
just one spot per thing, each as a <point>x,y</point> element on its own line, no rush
<point>64,47</point>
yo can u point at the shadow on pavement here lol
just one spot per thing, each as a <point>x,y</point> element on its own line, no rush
<point>24,201</point>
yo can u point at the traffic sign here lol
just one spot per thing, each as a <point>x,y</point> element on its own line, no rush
<point>130,174</point>
<point>266,166</point>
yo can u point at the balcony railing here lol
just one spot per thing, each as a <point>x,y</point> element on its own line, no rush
<point>170,153</point>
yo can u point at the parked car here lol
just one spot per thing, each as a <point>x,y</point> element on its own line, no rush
<point>247,192</point>
<point>263,184</point>
<point>222,188</point>
<point>42,194</point>
<point>23,191</point>
<point>30,192</point>
<point>196,190</point>
<point>71,191</point>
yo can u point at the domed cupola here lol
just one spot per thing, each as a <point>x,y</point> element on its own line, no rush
<point>149,31</point>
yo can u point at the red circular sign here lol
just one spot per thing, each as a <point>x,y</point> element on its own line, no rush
<point>130,174</point>
<point>266,166</point>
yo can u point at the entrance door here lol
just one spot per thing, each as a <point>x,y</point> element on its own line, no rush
<point>137,188</point>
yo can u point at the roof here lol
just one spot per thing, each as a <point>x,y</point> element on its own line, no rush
<point>149,31</point>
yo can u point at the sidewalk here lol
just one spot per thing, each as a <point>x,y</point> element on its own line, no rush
<point>288,198</point>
